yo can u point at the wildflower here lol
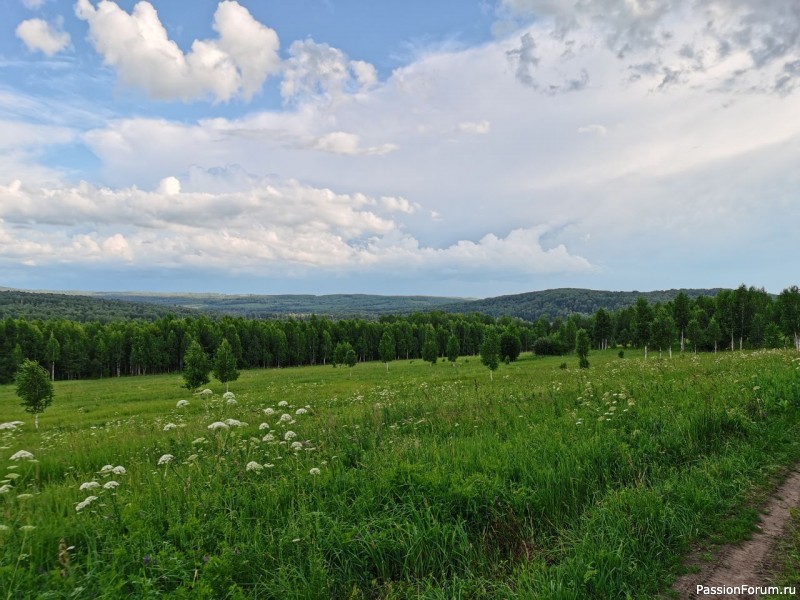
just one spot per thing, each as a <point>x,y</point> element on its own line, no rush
<point>315,471</point>
<point>217,425</point>
<point>228,395</point>
<point>268,438</point>
<point>206,392</point>
<point>24,496</point>
<point>81,505</point>
<point>297,446</point>
<point>285,418</point>
<point>253,466</point>
<point>106,469</point>
<point>231,402</point>
<point>4,527</point>
<point>31,527</point>
<point>4,489</point>
<point>12,475</point>
<point>119,470</point>
<point>200,440</point>
<point>283,403</point>
<point>7,426</point>
<point>110,485</point>
<point>268,465</point>
<point>269,411</point>
<point>289,436</point>
<point>263,426</point>
<point>166,458</point>
<point>234,423</point>
<point>89,485</point>
<point>192,458</point>
<point>22,455</point>
<point>169,426</point>
<point>300,411</point>
<point>182,404</point>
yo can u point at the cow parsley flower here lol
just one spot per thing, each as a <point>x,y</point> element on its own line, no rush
<point>297,446</point>
<point>228,395</point>
<point>182,404</point>
<point>24,496</point>
<point>81,505</point>
<point>253,466</point>
<point>269,411</point>
<point>32,527</point>
<point>89,485</point>
<point>119,470</point>
<point>206,392</point>
<point>10,426</point>
<point>4,489</point>
<point>200,440</point>
<point>231,402</point>
<point>21,455</point>
<point>106,469</point>
<point>289,436</point>
<point>283,403</point>
<point>110,485</point>
<point>315,471</point>
<point>285,418</point>
<point>268,438</point>
<point>263,426</point>
<point>169,426</point>
<point>300,411</point>
<point>234,423</point>
<point>166,458</point>
<point>217,425</point>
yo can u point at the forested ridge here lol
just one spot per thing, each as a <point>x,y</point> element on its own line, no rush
<point>733,319</point>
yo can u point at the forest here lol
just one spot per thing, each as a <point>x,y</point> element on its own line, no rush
<point>732,319</point>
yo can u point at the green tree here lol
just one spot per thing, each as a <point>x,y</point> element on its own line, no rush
<point>350,359</point>
<point>510,345</point>
<point>681,311</point>
<point>490,351</point>
<point>789,310</point>
<point>663,330</point>
<point>452,349</point>
<point>430,347</point>
<point>582,348</point>
<point>603,328</point>
<point>386,347</point>
<point>34,388</point>
<point>643,315</point>
<point>713,332</point>
<point>225,364</point>
<point>196,367</point>
<point>53,352</point>
<point>693,331</point>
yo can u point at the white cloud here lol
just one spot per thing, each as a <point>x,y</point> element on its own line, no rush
<point>474,127</point>
<point>340,142</point>
<point>33,4</point>
<point>234,64</point>
<point>314,69</point>
<point>593,129</point>
<point>169,186</point>
<point>39,35</point>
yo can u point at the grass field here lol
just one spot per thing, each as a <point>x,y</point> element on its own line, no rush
<point>423,482</point>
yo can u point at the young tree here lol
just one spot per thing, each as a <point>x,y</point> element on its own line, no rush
<point>643,315</point>
<point>582,348</point>
<point>196,367</point>
<point>693,330</point>
<point>789,309</point>
<point>490,351</point>
<point>430,347</point>
<point>510,345</point>
<point>350,359</point>
<point>603,328</point>
<point>34,388</point>
<point>386,347</point>
<point>53,352</point>
<point>682,314</point>
<point>452,349</point>
<point>713,332</point>
<point>225,364</point>
<point>663,329</point>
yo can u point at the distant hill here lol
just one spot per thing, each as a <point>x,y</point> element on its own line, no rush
<point>565,301</point>
<point>266,306</point>
<point>74,307</point>
<point>108,306</point>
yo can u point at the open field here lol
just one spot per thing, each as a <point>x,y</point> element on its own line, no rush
<point>424,481</point>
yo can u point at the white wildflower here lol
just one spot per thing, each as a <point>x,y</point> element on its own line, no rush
<point>300,411</point>
<point>206,392</point>
<point>269,465</point>
<point>297,446</point>
<point>81,505</point>
<point>289,436</point>
<point>315,471</point>
<point>24,496</point>
<point>4,527</point>
<point>231,402</point>
<point>263,426</point>
<point>89,485</point>
<point>12,475</point>
<point>285,418</point>
<point>228,394</point>
<point>110,485</point>
<point>234,423</point>
<point>32,527</point>
<point>200,440</point>
<point>119,470</point>
<point>169,426</point>
<point>10,426</point>
<point>217,425</point>
<point>22,455</point>
<point>182,404</point>
<point>106,469</point>
<point>4,489</point>
<point>268,438</point>
<point>269,411</point>
<point>283,403</point>
<point>166,458</point>
<point>253,466</point>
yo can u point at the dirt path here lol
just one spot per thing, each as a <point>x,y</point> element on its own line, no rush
<point>745,564</point>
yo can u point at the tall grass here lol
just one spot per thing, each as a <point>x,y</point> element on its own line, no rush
<point>432,481</point>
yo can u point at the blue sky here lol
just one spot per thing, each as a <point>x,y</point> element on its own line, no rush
<point>448,148</point>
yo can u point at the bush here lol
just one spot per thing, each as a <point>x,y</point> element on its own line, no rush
<point>549,346</point>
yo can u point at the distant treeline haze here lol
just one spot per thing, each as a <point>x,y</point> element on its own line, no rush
<point>733,319</point>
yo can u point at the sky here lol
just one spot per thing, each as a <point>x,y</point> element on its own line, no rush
<point>465,148</point>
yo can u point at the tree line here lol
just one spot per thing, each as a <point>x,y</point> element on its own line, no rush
<point>733,319</point>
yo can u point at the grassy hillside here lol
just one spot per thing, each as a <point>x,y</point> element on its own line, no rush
<point>423,482</point>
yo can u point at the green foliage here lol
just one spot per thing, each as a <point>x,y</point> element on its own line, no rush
<point>33,386</point>
<point>582,348</point>
<point>386,348</point>
<point>549,346</point>
<point>224,364</point>
<point>196,367</point>
<point>453,349</point>
<point>430,347</point>
<point>490,350</point>
<point>510,346</point>
<point>662,330</point>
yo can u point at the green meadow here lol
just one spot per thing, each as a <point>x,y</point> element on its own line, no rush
<point>420,482</point>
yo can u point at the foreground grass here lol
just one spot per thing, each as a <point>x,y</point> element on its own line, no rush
<point>424,482</point>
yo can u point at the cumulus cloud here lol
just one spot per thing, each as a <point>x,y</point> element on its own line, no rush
<point>41,36</point>
<point>474,127</point>
<point>236,63</point>
<point>314,69</point>
<point>33,4</point>
<point>266,229</point>
<point>340,142</point>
